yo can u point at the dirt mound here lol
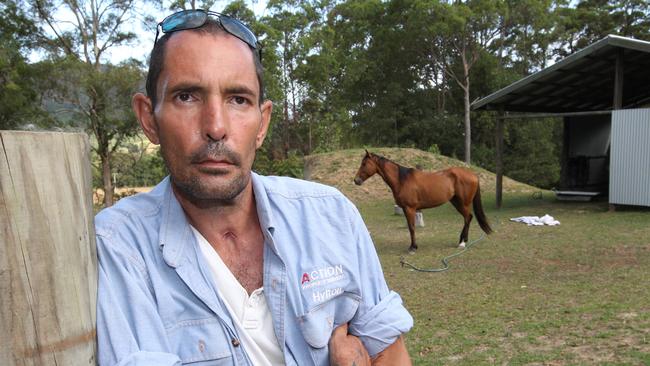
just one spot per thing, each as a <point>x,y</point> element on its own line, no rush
<point>338,169</point>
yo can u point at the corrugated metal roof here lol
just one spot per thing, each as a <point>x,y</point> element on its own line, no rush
<point>584,81</point>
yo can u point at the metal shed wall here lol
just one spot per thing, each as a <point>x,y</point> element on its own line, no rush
<point>629,177</point>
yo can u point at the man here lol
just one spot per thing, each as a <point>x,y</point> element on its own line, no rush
<point>220,266</point>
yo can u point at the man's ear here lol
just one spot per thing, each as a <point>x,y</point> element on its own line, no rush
<point>266,109</point>
<point>144,112</point>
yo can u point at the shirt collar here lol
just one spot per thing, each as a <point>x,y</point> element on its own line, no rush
<point>264,212</point>
<point>263,203</point>
<point>175,231</point>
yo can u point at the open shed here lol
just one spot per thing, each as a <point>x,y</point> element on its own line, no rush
<point>600,92</point>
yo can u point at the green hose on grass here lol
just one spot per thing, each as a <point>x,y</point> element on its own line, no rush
<point>445,260</point>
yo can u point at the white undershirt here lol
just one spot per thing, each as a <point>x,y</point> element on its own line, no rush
<point>250,314</point>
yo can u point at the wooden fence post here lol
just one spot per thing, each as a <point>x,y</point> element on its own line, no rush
<point>48,261</point>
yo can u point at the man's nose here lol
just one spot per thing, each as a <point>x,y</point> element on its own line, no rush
<point>215,119</point>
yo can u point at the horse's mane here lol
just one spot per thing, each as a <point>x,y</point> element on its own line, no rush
<point>403,171</point>
<point>387,159</point>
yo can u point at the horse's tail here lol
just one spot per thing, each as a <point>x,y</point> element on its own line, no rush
<point>478,211</point>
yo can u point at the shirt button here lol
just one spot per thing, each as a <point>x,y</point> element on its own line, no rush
<point>274,284</point>
<point>235,342</point>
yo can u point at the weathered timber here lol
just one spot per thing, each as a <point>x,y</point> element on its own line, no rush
<point>48,262</point>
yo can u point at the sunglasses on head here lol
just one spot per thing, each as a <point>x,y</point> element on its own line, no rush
<point>196,18</point>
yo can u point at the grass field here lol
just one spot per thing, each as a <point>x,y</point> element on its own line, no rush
<point>574,294</point>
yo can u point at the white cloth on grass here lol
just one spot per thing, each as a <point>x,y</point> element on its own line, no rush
<point>536,220</point>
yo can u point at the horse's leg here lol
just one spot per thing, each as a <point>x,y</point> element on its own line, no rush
<point>409,213</point>
<point>464,210</point>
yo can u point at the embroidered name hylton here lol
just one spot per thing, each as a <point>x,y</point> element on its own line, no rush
<point>322,296</point>
<point>322,276</point>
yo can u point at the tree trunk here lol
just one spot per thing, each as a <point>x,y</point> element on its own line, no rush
<point>106,178</point>
<point>444,89</point>
<point>468,126</point>
<point>310,147</point>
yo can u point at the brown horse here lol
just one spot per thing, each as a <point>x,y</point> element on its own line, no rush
<point>414,189</point>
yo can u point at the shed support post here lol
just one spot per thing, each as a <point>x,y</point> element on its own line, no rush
<point>499,162</point>
<point>619,73</point>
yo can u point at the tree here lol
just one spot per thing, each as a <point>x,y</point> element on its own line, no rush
<point>465,31</point>
<point>535,141</point>
<point>323,123</point>
<point>289,24</point>
<point>591,20</point>
<point>367,82</point>
<point>528,31</point>
<point>79,46</point>
<point>19,100</point>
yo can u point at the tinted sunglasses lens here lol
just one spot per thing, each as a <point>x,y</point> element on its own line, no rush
<point>239,30</point>
<point>187,19</point>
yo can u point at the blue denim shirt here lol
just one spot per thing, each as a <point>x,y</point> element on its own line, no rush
<point>158,304</point>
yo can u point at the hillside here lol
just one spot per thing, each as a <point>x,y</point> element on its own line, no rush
<point>339,168</point>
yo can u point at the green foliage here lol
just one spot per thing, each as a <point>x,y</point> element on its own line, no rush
<point>97,101</point>
<point>135,171</point>
<point>532,152</point>
<point>19,105</point>
<point>177,5</point>
<point>291,166</point>
<point>18,97</point>
<point>591,20</point>
<point>434,149</point>
<point>135,164</point>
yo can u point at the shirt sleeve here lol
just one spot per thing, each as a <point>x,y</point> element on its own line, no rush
<point>129,329</point>
<point>381,317</point>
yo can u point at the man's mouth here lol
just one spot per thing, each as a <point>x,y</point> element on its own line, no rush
<point>215,157</point>
<point>211,163</point>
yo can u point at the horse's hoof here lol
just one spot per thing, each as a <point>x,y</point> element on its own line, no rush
<point>411,251</point>
<point>461,245</point>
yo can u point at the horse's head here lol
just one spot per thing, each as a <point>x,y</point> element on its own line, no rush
<point>367,169</point>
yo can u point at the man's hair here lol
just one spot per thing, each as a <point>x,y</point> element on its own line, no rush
<point>157,58</point>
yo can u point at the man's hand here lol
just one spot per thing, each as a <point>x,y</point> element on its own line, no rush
<point>346,349</point>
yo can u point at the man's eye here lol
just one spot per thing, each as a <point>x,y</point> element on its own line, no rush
<point>239,100</point>
<point>184,97</point>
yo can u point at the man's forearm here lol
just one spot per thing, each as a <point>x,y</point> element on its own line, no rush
<point>395,354</point>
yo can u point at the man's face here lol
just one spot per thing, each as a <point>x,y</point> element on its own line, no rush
<point>208,120</point>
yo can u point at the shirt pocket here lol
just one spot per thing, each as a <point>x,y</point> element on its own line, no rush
<point>201,342</point>
<point>317,324</point>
